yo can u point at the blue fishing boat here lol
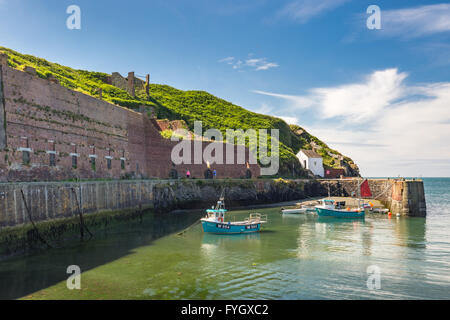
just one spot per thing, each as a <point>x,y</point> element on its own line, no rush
<point>214,221</point>
<point>330,208</point>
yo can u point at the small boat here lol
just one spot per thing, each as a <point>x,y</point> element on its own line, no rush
<point>329,208</point>
<point>214,221</point>
<point>297,210</point>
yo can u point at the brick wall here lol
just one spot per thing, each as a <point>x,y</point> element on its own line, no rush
<point>46,126</point>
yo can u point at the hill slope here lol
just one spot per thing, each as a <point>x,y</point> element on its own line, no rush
<point>171,103</point>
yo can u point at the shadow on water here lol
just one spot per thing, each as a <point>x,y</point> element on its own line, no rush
<point>21,276</point>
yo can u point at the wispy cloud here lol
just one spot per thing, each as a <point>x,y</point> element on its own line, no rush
<point>416,22</point>
<point>298,102</point>
<point>381,122</point>
<point>361,101</point>
<point>228,60</point>
<point>303,10</point>
<point>289,120</point>
<point>256,64</point>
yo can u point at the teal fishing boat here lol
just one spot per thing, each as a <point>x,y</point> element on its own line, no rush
<point>214,222</point>
<point>330,208</point>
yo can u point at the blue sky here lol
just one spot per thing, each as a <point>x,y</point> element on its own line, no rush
<point>381,97</point>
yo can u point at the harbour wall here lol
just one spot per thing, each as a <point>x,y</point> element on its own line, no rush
<point>41,201</point>
<point>31,212</point>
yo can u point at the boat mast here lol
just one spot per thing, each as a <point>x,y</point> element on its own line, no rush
<point>359,193</point>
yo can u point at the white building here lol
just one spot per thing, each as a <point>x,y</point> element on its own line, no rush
<point>312,161</point>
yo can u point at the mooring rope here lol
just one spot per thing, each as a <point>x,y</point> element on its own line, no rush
<point>380,194</point>
<point>32,222</point>
<point>387,188</point>
<point>80,213</point>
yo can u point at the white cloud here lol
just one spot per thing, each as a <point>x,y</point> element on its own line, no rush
<point>266,66</point>
<point>362,101</point>
<point>416,22</point>
<point>303,10</point>
<point>289,120</point>
<point>385,125</point>
<point>298,102</point>
<point>228,60</point>
<point>256,64</point>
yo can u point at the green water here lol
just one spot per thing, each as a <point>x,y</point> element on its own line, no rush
<point>294,257</point>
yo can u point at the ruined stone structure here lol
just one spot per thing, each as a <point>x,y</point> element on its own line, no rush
<point>173,125</point>
<point>130,83</point>
<point>48,132</point>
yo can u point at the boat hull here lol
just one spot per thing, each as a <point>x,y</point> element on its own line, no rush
<point>228,228</point>
<point>323,212</point>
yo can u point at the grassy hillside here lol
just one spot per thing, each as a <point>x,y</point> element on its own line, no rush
<point>171,103</point>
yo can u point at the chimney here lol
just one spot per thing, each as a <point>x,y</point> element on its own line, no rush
<point>147,83</point>
<point>131,83</point>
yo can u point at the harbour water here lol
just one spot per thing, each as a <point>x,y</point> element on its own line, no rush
<point>295,257</point>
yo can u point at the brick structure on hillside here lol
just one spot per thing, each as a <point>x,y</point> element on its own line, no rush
<point>173,125</point>
<point>48,132</point>
<point>333,173</point>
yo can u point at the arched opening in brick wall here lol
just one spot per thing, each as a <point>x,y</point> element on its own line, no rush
<point>208,174</point>
<point>173,174</point>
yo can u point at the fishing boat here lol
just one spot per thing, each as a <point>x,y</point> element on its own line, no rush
<point>214,222</point>
<point>330,208</point>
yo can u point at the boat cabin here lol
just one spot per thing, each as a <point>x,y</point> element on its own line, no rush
<point>217,213</point>
<point>328,203</point>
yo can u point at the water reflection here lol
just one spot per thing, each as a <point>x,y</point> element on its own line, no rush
<point>295,257</point>
<point>410,232</point>
<point>210,239</point>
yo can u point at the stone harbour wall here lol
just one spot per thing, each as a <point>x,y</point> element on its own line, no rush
<point>53,200</point>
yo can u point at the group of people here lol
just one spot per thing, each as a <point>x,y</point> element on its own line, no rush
<point>188,174</point>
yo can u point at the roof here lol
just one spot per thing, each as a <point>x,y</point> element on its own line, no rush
<point>311,153</point>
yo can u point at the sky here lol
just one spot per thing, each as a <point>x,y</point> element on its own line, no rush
<point>379,96</point>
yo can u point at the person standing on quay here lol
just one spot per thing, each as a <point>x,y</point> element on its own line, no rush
<point>214,173</point>
<point>188,174</point>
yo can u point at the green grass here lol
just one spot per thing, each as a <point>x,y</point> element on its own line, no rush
<point>171,103</point>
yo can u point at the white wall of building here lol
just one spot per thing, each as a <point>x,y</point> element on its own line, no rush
<point>315,165</point>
